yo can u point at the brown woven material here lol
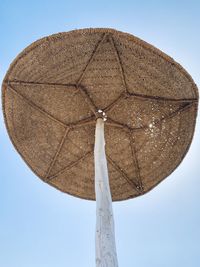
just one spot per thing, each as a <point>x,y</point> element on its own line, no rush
<point>54,89</point>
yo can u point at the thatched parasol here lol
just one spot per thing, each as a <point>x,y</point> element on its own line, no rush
<point>58,87</point>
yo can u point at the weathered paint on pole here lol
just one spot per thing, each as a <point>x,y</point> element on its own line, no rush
<point>106,255</point>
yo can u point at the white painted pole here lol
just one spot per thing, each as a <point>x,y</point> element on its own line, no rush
<point>106,255</point>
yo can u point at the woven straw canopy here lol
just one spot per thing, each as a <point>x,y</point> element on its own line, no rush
<point>52,94</point>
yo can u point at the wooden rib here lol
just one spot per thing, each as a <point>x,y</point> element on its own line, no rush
<point>113,123</point>
<point>88,121</point>
<point>70,165</point>
<point>81,88</point>
<point>135,160</point>
<point>36,107</point>
<point>87,98</point>
<point>131,182</point>
<point>140,96</point>
<point>169,116</point>
<point>123,95</point>
<point>173,114</point>
<point>119,63</point>
<point>92,57</point>
<point>40,83</point>
<point>162,99</point>
<point>57,153</point>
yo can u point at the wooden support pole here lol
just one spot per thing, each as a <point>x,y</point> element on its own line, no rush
<point>106,255</point>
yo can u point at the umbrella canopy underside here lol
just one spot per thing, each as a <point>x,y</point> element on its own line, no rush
<point>57,87</point>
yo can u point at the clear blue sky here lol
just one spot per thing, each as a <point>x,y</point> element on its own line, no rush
<point>42,227</point>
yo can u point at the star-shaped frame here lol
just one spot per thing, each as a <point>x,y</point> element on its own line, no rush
<point>56,89</point>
